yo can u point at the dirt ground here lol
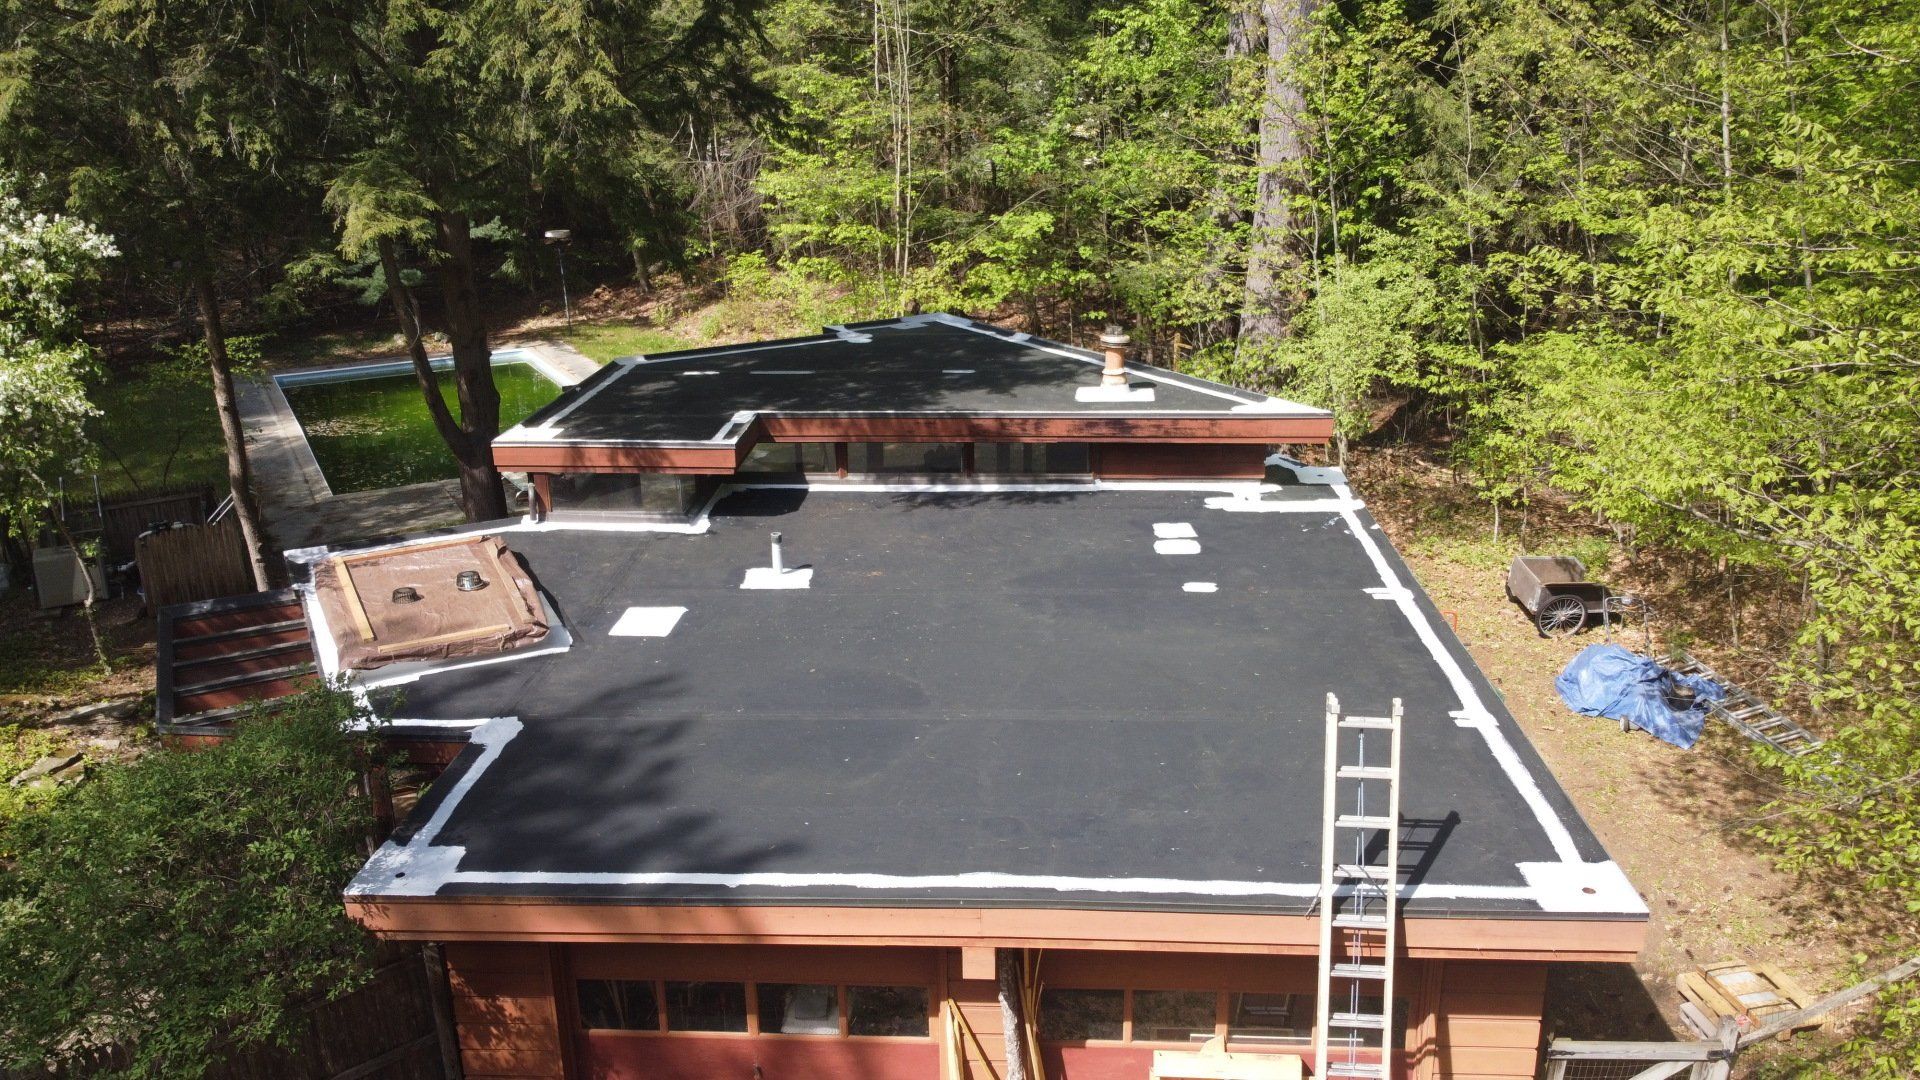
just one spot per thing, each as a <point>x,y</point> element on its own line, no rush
<point>1676,820</point>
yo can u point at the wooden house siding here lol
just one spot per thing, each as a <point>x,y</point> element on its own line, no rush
<point>1467,1020</point>
<point>507,1012</point>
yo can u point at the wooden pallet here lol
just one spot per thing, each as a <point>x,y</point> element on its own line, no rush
<point>1749,993</point>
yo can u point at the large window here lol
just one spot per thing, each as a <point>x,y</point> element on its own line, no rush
<point>706,1006</point>
<point>919,459</point>
<point>1032,458</point>
<point>619,1004</point>
<point>623,493</point>
<point>1186,1017</point>
<point>815,1009</point>
<point>1079,1015</point>
<point>1174,1015</point>
<point>788,459</point>
<point>797,1009</point>
<point>1255,1020</point>
<point>887,1010</point>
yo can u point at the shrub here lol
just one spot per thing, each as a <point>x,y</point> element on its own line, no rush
<point>187,900</point>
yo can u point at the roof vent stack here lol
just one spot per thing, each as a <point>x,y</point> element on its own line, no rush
<point>1114,341</point>
<point>779,567</point>
<point>1114,384</point>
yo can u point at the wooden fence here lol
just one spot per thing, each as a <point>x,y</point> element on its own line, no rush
<point>383,1031</point>
<point>124,520</point>
<point>198,562</point>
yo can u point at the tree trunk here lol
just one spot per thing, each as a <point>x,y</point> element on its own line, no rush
<point>239,472</point>
<point>423,373</point>
<point>1274,253</point>
<point>480,493</point>
<point>1006,963</point>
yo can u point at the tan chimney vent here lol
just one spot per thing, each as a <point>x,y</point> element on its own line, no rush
<point>1115,342</point>
<point>1114,384</point>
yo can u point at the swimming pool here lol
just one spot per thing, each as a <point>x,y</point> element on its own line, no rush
<point>368,426</point>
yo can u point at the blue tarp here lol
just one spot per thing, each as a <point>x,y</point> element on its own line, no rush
<point>1607,680</point>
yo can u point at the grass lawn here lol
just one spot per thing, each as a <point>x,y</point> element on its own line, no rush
<point>157,432</point>
<point>601,342</point>
<point>323,348</point>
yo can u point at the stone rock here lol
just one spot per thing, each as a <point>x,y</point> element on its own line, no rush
<point>47,768</point>
<point>115,710</point>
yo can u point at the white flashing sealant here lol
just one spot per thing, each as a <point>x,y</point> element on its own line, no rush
<point>1174,530</point>
<point>1255,505</point>
<point>768,346</point>
<point>957,371</point>
<point>1308,474</point>
<point>781,371</point>
<point>1200,587</point>
<point>551,426</point>
<point>422,721</point>
<point>646,622</point>
<point>1113,393</point>
<point>1088,486</point>
<point>1177,547</point>
<point>766,577</point>
<point>1582,886</point>
<point>326,652</point>
<point>423,872</point>
<point>675,528</point>
<point>417,868</point>
<point>1503,752</point>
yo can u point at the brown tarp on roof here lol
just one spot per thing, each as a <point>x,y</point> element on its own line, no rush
<point>370,630</point>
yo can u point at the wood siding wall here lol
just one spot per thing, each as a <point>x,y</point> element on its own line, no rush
<point>1488,1023</point>
<point>1175,461</point>
<point>508,1014</point>
<point>1467,1020</point>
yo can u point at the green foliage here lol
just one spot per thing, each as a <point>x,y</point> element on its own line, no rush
<point>19,748</point>
<point>189,897</point>
<point>156,430</point>
<point>43,364</point>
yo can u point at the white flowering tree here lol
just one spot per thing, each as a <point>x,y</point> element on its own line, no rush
<point>43,362</point>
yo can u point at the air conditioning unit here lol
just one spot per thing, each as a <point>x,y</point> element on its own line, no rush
<point>60,577</point>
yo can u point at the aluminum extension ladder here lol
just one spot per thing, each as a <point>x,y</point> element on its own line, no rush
<point>1359,897</point>
<point>1747,712</point>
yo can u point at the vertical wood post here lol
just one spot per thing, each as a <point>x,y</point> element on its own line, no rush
<point>1729,1035</point>
<point>1012,1022</point>
<point>440,995</point>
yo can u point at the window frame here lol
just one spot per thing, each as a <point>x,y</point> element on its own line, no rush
<point>1222,1022</point>
<point>1126,1019</point>
<point>934,1005</point>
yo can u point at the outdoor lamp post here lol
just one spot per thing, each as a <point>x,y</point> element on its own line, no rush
<point>559,239</point>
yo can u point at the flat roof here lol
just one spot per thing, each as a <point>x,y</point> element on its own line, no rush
<point>935,365</point>
<point>1095,695</point>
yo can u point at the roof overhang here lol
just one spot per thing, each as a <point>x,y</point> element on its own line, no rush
<point>493,918</point>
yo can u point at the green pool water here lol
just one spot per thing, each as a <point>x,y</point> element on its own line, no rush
<point>375,433</point>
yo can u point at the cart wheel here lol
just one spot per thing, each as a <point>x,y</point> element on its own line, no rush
<point>1561,616</point>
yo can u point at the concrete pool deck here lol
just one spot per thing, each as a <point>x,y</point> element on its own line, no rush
<point>301,510</point>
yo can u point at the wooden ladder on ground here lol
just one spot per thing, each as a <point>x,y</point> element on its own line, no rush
<point>1359,898</point>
